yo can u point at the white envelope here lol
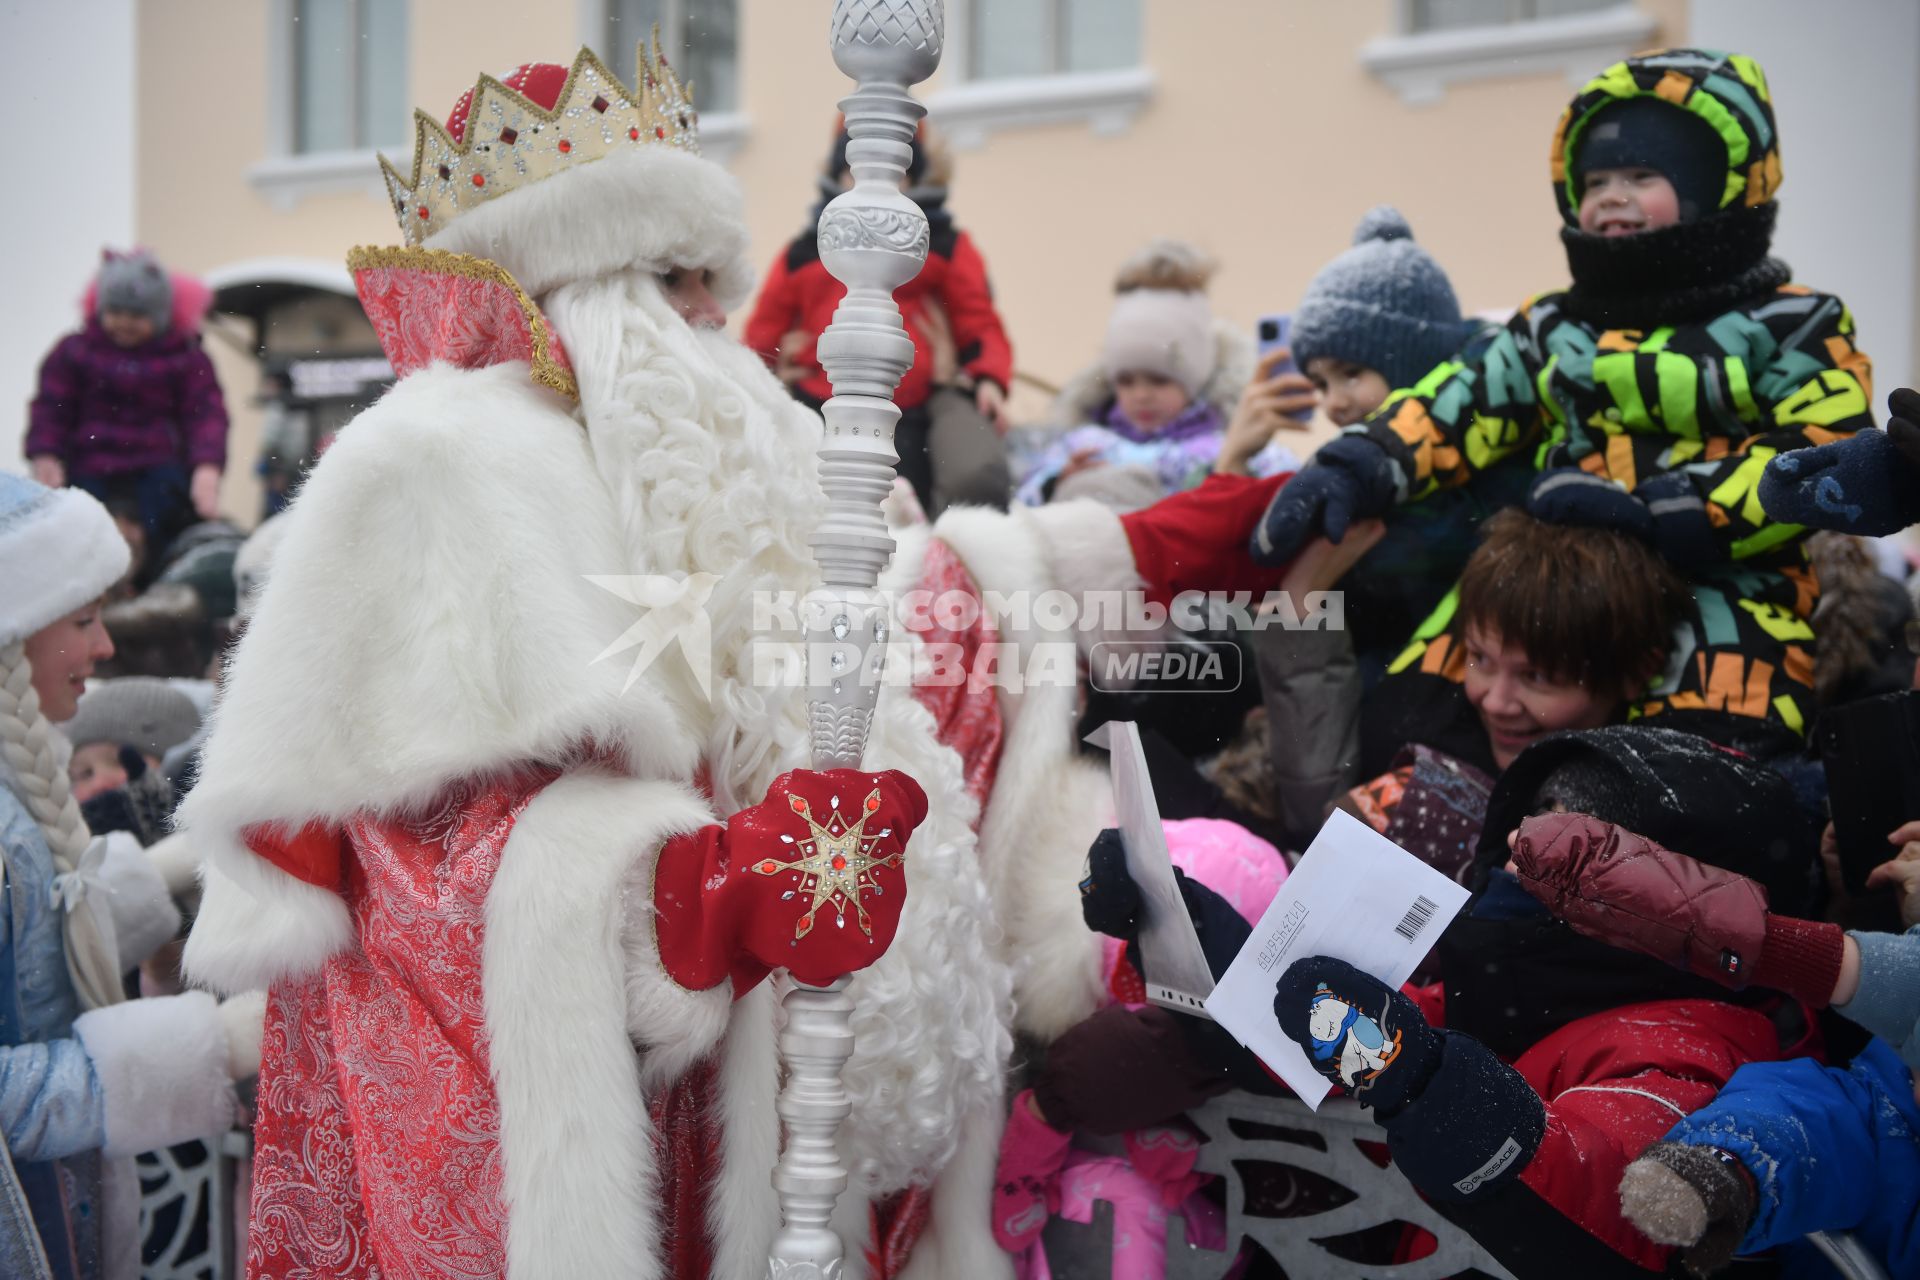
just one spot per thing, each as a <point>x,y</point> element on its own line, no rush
<point>1356,896</point>
<point>1176,973</point>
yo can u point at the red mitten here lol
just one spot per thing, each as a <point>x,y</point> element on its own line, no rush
<point>810,880</point>
<point>1628,892</point>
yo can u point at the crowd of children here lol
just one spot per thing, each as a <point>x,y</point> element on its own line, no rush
<point>1592,628</point>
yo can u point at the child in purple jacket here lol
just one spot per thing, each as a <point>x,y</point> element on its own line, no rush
<point>128,407</point>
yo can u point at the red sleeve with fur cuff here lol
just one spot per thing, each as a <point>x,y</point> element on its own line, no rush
<point>316,853</point>
<point>1198,540</point>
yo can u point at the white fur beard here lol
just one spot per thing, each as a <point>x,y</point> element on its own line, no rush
<point>715,470</point>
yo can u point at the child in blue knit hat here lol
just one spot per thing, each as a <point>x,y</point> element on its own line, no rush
<point>1375,318</point>
<point>1379,316</point>
<point>1382,313</point>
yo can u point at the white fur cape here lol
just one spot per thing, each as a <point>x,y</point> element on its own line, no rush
<point>429,618</point>
<point>1047,803</point>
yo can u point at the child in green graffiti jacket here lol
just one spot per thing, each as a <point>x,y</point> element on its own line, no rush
<point>1650,394</point>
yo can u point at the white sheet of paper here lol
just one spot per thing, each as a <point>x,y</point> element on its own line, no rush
<point>1356,896</point>
<point>1176,974</point>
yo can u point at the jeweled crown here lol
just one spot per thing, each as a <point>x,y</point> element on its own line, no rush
<point>509,140</point>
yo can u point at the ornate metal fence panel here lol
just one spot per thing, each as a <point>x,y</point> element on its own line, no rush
<point>187,1209</point>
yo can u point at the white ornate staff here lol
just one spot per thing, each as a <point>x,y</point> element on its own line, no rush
<point>873,239</point>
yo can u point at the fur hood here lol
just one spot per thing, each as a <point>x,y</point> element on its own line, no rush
<point>1087,392</point>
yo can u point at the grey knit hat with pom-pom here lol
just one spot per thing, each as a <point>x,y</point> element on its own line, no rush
<point>1384,304</point>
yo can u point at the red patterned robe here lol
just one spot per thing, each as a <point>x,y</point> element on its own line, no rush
<point>377,1149</point>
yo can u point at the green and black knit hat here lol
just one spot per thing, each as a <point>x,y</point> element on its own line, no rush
<point>1727,93</point>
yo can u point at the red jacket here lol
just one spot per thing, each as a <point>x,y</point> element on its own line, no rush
<point>799,294</point>
<point>1612,1084</point>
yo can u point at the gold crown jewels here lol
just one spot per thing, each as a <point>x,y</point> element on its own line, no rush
<point>510,141</point>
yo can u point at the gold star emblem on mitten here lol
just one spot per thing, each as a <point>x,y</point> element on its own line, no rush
<point>836,863</point>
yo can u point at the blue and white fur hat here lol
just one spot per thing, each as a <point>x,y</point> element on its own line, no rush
<point>1384,304</point>
<point>59,550</point>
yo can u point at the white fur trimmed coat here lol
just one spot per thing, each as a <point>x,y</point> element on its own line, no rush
<point>429,621</point>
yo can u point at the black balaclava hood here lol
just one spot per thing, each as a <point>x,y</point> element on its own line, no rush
<point>1677,104</point>
<point>1651,133</point>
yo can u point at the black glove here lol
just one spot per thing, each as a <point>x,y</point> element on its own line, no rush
<point>1682,530</point>
<point>1351,478</point>
<point>1109,899</point>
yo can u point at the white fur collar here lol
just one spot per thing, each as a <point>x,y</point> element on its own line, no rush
<point>429,616</point>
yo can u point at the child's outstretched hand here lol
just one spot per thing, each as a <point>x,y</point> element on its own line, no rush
<point>1358,1032</point>
<point>1350,479</point>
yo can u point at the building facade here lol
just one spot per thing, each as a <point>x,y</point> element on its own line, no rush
<point>1258,129</point>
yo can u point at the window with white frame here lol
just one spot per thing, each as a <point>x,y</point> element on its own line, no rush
<point>700,37</point>
<point>1438,43</point>
<point>1014,38</point>
<point>349,75</point>
<point>1447,15</point>
<point>1012,64</point>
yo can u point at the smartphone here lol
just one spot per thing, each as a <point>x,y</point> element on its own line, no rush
<point>1871,752</point>
<point>1271,332</point>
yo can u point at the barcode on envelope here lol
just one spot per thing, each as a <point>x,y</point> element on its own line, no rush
<point>1416,918</point>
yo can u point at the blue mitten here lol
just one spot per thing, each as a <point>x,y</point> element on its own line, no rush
<point>1568,495</point>
<point>1358,1032</point>
<point>1867,484</point>
<point>1350,478</point>
<point>1682,530</point>
<point>1461,1124</point>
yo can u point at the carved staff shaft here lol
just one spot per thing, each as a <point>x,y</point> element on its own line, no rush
<point>873,239</point>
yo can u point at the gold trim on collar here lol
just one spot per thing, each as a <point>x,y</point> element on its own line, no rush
<point>547,371</point>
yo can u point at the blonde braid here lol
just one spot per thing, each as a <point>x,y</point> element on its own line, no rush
<point>29,745</point>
